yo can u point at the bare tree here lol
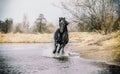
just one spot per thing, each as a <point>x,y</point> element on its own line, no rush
<point>41,23</point>
<point>18,28</point>
<point>117,4</point>
<point>117,9</point>
<point>90,14</point>
<point>25,24</point>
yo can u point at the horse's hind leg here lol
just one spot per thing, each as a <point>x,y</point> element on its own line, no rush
<point>63,50</point>
<point>61,46</point>
<point>56,45</point>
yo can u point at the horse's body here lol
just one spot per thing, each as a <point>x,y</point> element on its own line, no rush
<point>61,36</point>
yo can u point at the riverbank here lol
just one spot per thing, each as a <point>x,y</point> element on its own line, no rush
<point>99,47</point>
<point>25,38</point>
<point>89,45</point>
<point>34,38</point>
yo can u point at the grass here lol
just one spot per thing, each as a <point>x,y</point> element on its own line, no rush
<point>34,38</point>
<point>26,38</point>
<point>118,41</point>
<point>116,48</point>
<point>99,47</point>
<point>85,38</point>
<point>1,37</point>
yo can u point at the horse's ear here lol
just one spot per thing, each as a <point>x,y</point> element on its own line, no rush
<point>67,23</point>
<point>59,19</point>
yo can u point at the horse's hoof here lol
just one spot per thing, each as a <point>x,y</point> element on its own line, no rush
<point>58,52</point>
<point>54,52</point>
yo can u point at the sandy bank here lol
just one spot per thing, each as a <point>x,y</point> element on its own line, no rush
<point>98,47</point>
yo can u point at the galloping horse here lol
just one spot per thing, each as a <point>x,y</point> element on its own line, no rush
<point>61,35</point>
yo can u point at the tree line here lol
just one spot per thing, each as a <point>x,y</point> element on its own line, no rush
<point>40,26</point>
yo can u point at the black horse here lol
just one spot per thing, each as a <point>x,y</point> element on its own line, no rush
<point>61,35</point>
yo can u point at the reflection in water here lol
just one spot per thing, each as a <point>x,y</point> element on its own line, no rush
<point>113,69</point>
<point>30,59</point>
<point>62,59</point>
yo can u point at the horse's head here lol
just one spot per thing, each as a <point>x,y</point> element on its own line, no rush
<point>63,24</point>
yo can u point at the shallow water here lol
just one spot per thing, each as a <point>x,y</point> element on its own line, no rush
<point>38,59</point>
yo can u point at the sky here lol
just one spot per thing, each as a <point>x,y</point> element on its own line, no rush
<point>16,9</point>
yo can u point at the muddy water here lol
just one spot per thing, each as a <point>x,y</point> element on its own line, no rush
<point>38,59</point>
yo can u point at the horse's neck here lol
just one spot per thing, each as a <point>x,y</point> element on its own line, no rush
<point>65,30</point>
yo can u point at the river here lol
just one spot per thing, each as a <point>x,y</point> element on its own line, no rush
<point>38,59</point>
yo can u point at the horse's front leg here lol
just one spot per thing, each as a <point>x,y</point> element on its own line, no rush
<point>56,45</point>
<point>61,47</point>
